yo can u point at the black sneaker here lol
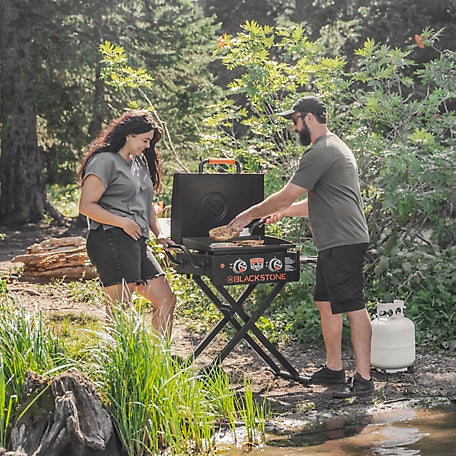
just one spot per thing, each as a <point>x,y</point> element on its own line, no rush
<point>327,376</point>
<point>356,386</point>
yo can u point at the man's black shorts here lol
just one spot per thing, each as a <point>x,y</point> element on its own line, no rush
<point>339,277</point>
<point>118,257</point>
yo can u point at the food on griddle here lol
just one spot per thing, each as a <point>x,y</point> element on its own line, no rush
<point>237,243</point>
<point>222,245</point>
<point>249,242</point>
<point>223,233</point>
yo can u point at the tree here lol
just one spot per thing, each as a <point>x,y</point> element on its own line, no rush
<point>22,196</point>
<point>174,42</point>
<point>53,100</point>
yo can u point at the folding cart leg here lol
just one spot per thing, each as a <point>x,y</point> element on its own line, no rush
<point>249,322</point>
<point>228,313</point>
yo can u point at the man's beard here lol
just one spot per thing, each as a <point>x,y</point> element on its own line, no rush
<point>304,136</point>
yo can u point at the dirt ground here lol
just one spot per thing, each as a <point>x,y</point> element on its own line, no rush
<point>431,380</point>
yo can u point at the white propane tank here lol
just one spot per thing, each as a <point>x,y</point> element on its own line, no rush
<point>393,338</point>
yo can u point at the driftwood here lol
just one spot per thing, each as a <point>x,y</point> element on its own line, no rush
<point>59,258</point>
<point>3,452</point>
<point>63,417</point>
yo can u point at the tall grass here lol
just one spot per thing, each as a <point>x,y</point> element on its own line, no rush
<point>25,345</point>
<point>158,402</point>
<point>6,404</point>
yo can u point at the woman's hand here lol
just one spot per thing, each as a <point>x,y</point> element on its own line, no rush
<point>164,241</point>
<point>131,228</point>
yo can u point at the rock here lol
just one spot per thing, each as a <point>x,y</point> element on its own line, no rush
<point>63,417</point>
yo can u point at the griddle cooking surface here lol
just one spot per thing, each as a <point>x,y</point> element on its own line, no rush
<point>208,245</point>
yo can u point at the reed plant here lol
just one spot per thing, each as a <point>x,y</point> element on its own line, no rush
<point>7,403</point>
<point>253,414</point>
<point>157,401</point>
<point>25,345</point>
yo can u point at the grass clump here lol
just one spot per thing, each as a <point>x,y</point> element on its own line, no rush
<point>25,345</point>
<point>159,402</point>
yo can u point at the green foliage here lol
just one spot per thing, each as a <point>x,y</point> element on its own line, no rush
<point>89,291</point>
<point>118,73</point>
<point>7,402</point>
<point>195,309</point>
<point>293,314</point>
<point>157,401</point>
<point>410,198</point>
<point>172,40</point>
<point>75,333</point>
<point>168,74</point>
<point>26,345</point>
<point>253,414</point>
<point>426,283</point>
<point>65,198</point>
<point>275,63</point>
<point>398,117</point>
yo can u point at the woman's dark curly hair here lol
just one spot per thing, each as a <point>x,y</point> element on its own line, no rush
<point>113,138</point>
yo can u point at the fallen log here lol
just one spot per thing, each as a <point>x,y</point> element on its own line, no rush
<point>3,452</point>
<point>63,417</point>
<point>58,258</point>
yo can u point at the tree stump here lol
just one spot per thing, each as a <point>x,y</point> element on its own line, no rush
<point>63,417</point>
<point>58,258</point>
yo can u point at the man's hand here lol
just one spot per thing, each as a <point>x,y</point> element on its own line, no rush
<point>274,218</point>
<point>240,221</point>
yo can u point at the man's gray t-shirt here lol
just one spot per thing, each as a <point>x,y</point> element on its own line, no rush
<point>128,187</point>
<point>330,173</point>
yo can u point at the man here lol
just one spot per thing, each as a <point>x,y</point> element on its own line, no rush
<point>328,174</point>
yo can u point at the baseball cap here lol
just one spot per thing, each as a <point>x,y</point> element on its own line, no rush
<point>308,103</point>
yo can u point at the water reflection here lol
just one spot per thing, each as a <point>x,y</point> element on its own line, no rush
<point>399,432</point>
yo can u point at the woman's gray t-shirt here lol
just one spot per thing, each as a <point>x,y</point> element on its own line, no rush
<point>128,187</point>
<point>328,170</point>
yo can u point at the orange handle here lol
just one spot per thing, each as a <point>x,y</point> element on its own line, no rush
<point>219,161</point>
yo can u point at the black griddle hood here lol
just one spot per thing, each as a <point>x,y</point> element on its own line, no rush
<point>201,201</point>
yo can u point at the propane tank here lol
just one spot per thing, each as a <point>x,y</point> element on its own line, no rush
<point>393,338</point>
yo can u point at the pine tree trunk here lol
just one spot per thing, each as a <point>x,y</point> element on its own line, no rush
<point>22,186</point>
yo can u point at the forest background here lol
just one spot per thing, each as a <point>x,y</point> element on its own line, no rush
<point>215,72</point>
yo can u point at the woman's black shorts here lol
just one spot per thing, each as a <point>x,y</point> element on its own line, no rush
<point>118,257</point>
<point>339,277</point>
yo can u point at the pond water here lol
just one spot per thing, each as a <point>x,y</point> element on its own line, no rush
<point>398,432</point>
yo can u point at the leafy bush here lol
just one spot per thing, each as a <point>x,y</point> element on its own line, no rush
<point>397,117</point>
<point>395,113</point>
<point>65,198</point>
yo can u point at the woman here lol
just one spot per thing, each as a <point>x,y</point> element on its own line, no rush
<point>118,175</point>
